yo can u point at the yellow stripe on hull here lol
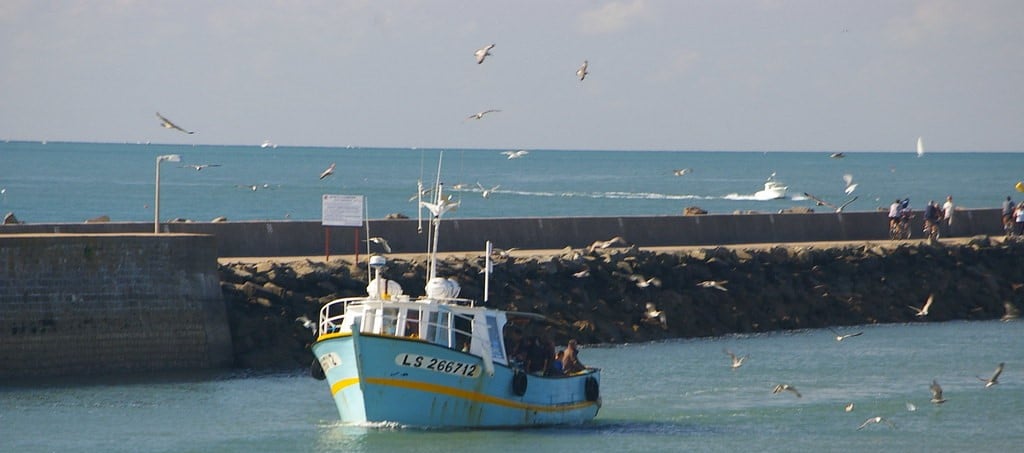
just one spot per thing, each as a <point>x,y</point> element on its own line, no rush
<point>458,393</point>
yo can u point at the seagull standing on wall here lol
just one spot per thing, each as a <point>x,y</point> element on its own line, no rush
<point>482,53</point>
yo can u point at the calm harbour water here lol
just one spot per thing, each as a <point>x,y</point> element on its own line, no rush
<point>665,396</point>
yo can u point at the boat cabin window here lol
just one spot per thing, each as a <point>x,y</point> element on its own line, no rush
<point>476,332</point>
<point>497,346</point>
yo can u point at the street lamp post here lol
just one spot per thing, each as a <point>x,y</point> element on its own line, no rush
<point>156,203</point>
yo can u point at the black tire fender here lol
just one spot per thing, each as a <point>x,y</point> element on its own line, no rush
<point>591,389</point>
<point>317,371</point>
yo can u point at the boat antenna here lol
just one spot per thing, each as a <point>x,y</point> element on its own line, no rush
<point>488,268</point>
<point>436,221</point>
<point>419,196</point>
<point>366,219</point>
<point>442,204</point>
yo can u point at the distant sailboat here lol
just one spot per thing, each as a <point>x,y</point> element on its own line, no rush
<point>920,147</point>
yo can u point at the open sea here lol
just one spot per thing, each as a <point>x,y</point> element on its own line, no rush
<point>666,396</point>
<point>72,182</point>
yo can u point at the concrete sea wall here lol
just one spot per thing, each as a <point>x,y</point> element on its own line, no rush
<point>309,238</point>
<point>97,304</point>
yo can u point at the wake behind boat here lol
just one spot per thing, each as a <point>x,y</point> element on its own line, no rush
<point>437,361</point>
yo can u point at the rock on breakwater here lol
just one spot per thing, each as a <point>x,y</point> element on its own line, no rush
<point>602,296</point>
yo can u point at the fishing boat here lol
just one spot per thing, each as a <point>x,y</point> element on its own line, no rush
<point>437,361</point>
<point>772,189</point>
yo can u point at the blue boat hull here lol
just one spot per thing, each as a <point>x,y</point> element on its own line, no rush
<point>381,378</point>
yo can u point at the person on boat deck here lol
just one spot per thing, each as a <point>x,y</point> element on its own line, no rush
<point>556,365</point>
<point>512,340</point>
<point>537,357</point>
<point>570,361</point>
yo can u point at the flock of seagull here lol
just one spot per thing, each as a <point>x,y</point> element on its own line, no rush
<point>736,361</point>
<point>480,54</point>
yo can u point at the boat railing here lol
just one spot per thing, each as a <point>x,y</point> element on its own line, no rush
<point>431,323</point>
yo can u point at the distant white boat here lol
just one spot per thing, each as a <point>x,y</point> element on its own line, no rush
<point>772,190</point>
<point>268,144</point>
<point>920,147</point>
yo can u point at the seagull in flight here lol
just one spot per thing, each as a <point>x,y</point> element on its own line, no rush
<point>306,322</point>
<point>923,311</point>
<point>199,167</point>
<point>328,172</point>
<point>617,240</point>
<point>995,376</point>
<point>875,420</point>
<point>383,243</point>
<point>786,388</point>
<point>737,361</point>
<point>485,192</point>
<point>421,193</point>
<point>480,115</point>
<point>911,407</point>
<point>582,274</point>
<point>641,282</point>
<point>582,71</point>
<point>504,253</point>
<point>716,284</point>
<point>515,154</point>
<point>850,185</point>
<point>445,205</point>
<point>682,171</point>
<point>820,202</point>
<point>652,313</point>
<point>840,337</point>
<point>166,123</point>
<point>483,53</point>
<point>848,408</point>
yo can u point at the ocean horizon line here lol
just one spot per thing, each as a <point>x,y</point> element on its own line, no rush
<point>488,149</point>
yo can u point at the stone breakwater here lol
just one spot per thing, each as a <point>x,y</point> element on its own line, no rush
<point>600,296</point>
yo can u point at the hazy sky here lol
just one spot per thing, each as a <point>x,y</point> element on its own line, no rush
<point>664,75</point>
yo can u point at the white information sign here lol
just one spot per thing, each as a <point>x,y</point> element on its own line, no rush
<point>342,210</point>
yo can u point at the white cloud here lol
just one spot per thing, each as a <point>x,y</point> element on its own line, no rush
<point>614,16</point>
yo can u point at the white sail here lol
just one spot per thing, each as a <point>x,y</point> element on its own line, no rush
<point>920,147</point>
